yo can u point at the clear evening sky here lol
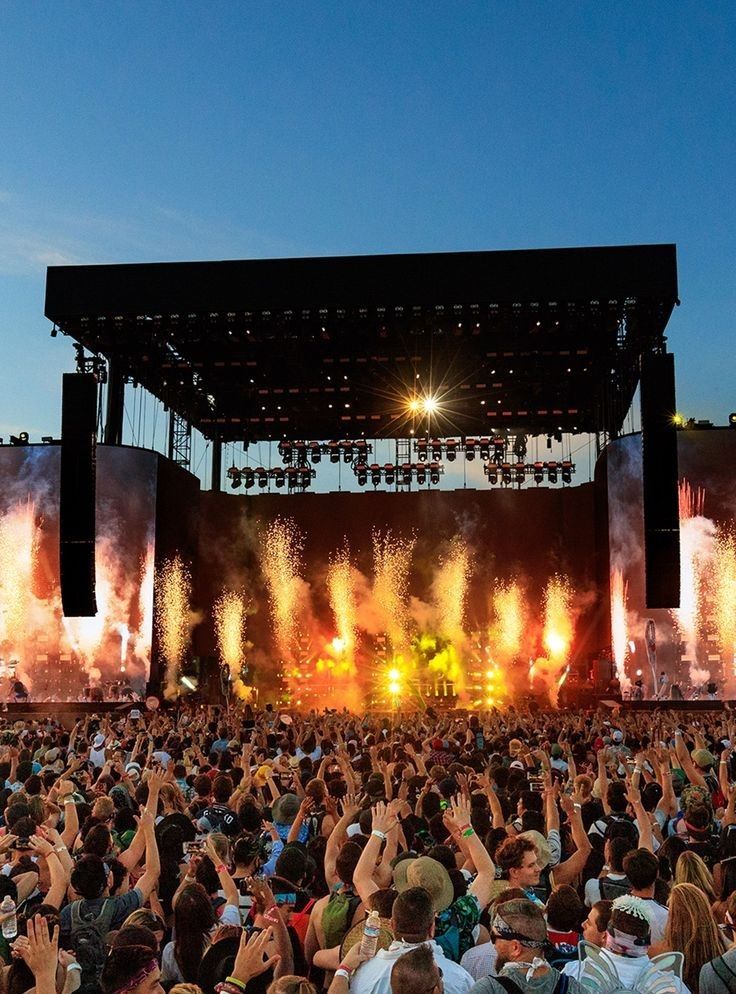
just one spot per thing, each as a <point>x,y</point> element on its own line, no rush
<point>149,131</point>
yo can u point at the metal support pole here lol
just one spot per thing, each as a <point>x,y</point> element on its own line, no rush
<point>115,403</point>
<point>217,463</point>
<point>180,440</point>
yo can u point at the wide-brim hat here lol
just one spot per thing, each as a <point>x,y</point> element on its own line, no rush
<point>431,874</point>
<point>217,964</point>
<point>355,934</point>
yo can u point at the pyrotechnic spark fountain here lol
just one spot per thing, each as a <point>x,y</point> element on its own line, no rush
<point>142,648</point>
<point>391,565</point>
<point>724,577</point>
<point>696,543</point>
<point>510,620</point>
<point>341,589</point>
<point>174,585</point>
<point>450,590</point>
<point>558,630</point>
<point>281,565</point>
<point>619,630</point>
<point>18,548</point>
<point>230,624</point>
<point>124,633</point>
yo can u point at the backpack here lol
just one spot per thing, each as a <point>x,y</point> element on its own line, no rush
<point>337,916</point>
<point>511,987</point>
<point>299,920</point>
<point>88,940</point>
<point>724,973</point>
<point>611,889</point>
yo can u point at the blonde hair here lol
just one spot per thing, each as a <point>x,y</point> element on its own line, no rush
<point>692,931</point>
<point>691,869</point>
<point>171,795</point>
<point>186,989</point>
<point>291,984</point>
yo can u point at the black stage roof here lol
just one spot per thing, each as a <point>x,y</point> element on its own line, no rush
<point>535,341</point>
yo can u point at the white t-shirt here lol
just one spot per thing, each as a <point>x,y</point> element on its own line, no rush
<point>374,976</point>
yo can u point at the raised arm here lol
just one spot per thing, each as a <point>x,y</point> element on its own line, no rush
<point>153,865</point>
<point>350,809</point>
<point>484,865</point>
<point>568,871</point>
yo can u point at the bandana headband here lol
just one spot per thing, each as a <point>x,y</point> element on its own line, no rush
<point>144,972</point>
<point>505,931</point>
<point>625,944</point>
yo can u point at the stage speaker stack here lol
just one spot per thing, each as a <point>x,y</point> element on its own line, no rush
<point>660,480</point>
<point>77,495</point>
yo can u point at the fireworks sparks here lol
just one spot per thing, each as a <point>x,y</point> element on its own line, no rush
<point>283,544</point>
<point>696,548</point>
<point>18,547</point>
<point>392,557</point>
<point>230,614</point>
<point>144,634</point>
<point>619,629</point>
<point>724,582</point>
<point>510,620</point>
<point>451,590</point>
<point>558,632</point>
<point>174,585</point>
<point>341,590</point>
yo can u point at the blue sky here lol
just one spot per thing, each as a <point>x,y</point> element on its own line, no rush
<point>153,131</point>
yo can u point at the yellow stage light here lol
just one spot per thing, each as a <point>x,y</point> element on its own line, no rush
<point>394,675</point>
<point>429,405</point>
<point>414,405</point>
<point>394,688</point>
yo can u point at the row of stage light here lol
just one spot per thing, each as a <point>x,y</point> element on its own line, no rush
<point>496,449</point>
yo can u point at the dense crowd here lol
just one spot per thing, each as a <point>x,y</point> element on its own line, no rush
<point>203,850</point>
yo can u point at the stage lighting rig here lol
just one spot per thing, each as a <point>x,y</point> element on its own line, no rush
<point>315,452</point>
<point>333,449</point>
<point>421,474</point>
<point>506,474</point>
<point>361,472</point>
<point>285,451</point>
<point>278,476</point>
<point>499,449</point>
<point>451,449</point>
<point>248,478</point>
<point>262,477</point>
<point>435,469</point>
<point>406,474</point>
<point>389,473</point>
<point>436,449</point>
<point>491,471</point>
<point>520,472</point>
<point>235,477</point>
<point>520,447</point>
<point>732,419</point>
<point>375,474</point>
<point>20,439</point>
<point>552,468</point>
<point>538,472</point>
<point>420,447</point>
<point>484,448</point>
<point>567,469</point>
<point>470,449</point>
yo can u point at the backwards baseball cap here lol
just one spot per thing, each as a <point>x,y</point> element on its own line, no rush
<point>703,758</point>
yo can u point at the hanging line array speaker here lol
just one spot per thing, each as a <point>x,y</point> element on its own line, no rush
<point>77,495</point>
<point>660,482</point>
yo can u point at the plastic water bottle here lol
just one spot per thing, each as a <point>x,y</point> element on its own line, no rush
<point>371,931</point>
<point>10,925</point>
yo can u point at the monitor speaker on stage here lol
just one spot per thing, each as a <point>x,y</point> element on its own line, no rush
<point>660,482</point>
<point>77,495</point>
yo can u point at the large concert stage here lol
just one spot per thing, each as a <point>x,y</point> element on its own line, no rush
<point>399,592</point>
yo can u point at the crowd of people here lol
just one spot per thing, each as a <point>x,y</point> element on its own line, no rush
<point>207,849</point>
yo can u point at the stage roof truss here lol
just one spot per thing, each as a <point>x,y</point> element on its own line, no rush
<point>540,341</point>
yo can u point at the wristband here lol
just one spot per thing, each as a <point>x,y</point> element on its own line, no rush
<point>342,972</point>
<point>73,966</point>
<point>272,915</point>
<point>461,828</point>
<point>60,848</point>
<point>69,799</point>
<point>345,968</point>
<point>724,762</point>
<point>578,806</point>
<point>379,834</point>
<point>238,983</point>
<point>221,868</point>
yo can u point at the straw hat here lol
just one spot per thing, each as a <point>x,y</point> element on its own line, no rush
<point>354,935</point>
<point>540,844</point>
<point>430,874</point>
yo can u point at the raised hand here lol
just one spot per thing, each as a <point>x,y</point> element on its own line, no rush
<point>384,818</point>
<point>249,962</point>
